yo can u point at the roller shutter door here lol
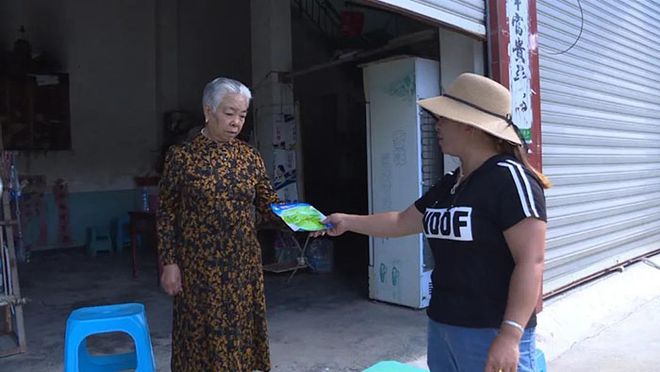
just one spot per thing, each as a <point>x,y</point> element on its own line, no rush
<point>600,107</point>
<point>466,15</point>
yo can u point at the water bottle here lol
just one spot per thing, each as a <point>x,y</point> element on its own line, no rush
<point>145,199</point>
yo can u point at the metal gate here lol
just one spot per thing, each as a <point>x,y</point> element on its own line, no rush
<point>600,107</point>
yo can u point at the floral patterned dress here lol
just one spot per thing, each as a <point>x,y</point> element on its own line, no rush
<point>211,196</point>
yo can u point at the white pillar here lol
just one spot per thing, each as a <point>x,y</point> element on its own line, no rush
<point>458,54</point>
<point>271,53</point>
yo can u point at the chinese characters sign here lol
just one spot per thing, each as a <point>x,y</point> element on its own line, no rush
<point>517,12</point>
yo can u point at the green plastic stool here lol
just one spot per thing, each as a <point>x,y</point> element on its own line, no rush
<point>98,240</point>
<point>392,366</point>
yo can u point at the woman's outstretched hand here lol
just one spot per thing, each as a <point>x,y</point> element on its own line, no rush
<point>338,225</point>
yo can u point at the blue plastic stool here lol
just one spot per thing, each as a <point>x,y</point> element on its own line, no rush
<point>540,361</point>
<point>122,233</point>
<point>392,366</point>
<point>87,321</point>
<point>98,240</point>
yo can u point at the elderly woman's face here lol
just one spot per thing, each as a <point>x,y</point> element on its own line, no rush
<point>227,121</point>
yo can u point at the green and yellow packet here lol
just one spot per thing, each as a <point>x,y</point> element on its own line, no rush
<point>300,216</point>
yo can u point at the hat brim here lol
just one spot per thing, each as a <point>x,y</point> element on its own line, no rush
<point>462,113</point>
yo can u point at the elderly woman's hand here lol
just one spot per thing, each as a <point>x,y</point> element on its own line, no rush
<point>170,279</point>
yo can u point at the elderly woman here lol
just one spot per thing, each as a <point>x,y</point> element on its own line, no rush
<point>210,189</point>
<point>485,223</point>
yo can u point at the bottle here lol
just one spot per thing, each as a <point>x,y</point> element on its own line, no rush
<point>145,199</point>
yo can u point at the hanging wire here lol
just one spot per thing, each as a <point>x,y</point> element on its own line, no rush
<point>579,34</point>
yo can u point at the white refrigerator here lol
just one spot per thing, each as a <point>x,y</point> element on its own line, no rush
<point>403,162</point>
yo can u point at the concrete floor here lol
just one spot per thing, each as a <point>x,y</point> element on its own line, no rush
<point>632,344</point>
<point>326,323</point>
<point>317,322</point>
<point>609,325</point>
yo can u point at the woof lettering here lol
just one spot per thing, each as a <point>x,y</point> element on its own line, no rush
<point>453,223</point>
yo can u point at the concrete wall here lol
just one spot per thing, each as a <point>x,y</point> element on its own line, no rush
<point>129,62</point>
<point>213,40</point>
<point>5,26</point>
<point>108,49</point>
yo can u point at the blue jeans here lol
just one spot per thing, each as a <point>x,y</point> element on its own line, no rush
<point>461,349</point>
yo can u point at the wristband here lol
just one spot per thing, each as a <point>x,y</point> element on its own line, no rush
<point>514,325</point>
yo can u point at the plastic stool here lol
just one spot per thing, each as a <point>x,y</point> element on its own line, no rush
<point>98,240</point>
<point>392,366</point>
<point>122,233</point>
<point>87,321</point>
<point>539,359</point>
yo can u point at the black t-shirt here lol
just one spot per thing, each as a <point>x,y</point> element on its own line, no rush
<point>473,264</point>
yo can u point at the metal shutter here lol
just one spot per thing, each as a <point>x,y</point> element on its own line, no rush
<point>600,106</point>
<point>467,15</point>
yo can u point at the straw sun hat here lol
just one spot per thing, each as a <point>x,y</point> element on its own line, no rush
<point>477,101</point>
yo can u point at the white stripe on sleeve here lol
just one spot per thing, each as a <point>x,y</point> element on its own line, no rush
<point>528,188</point>
<point>521,182</point>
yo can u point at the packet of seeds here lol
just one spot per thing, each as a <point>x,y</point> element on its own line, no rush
<point>300,216</point>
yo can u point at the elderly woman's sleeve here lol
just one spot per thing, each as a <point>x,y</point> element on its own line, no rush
<point>168,209</point>
<point>265,194</point>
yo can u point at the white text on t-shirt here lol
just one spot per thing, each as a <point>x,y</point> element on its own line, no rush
<point>448,223</point>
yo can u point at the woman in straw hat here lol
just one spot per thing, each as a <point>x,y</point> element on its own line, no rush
<point>486,224</point>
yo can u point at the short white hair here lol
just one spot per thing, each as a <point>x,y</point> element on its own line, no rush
<point>215,91</point>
